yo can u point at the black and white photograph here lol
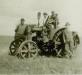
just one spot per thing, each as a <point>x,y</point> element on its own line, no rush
<point>42,37</point>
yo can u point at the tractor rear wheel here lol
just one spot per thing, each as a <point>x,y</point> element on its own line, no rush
<point>14,46</point>
<point>59,42</point>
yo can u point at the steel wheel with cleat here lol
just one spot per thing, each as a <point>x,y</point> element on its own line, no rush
<point>59,43</point>
<point>14,46</point>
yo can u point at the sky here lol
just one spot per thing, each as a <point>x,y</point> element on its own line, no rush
<point>12,10</point>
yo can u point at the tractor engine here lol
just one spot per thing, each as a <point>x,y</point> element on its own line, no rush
<point>42,41</point>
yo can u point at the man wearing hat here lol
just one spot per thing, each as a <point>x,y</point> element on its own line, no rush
<point>68,40</point>
<point>20,29</point>
<point>53,19</point>
<point>45,15</point>
<point>56,20</point>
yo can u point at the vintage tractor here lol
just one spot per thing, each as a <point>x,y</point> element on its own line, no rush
<point>37,43</point>
<point>40,39</point>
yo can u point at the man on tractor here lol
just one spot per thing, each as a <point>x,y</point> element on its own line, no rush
<point>20,29</point>
<point>53,19</point>
<point>51,23</point>
<point>45,15</point>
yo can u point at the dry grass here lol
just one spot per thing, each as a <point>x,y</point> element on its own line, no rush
<point>39,65</point>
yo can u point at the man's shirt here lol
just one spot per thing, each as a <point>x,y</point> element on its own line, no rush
<point>68,35</point>
<point>44,20</point>
<point>51,19</point>
<point>20,29</point>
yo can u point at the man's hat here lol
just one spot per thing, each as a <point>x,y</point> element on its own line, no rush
<point>67,24</point>
<point>45,13</point>
<point>52,11</point>
<point>56,14</point>
<point>22,19</point>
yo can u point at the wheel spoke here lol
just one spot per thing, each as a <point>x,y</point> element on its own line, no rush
<point>29,55</point>
<point>32,55</point>
<point>20,42</point>
<point>24,51</point>
<point>57,42</point>
<point>14,44</point>
<point>13,51</point>
<point>32,51</point>
<point>24,47</point>
<point>12,48</point>
<point>23,54</point>
<point>58,53</point>
<point>29,46</point>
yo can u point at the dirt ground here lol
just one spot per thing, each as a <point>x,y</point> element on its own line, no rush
<point>39,65</point>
